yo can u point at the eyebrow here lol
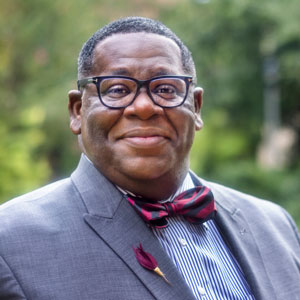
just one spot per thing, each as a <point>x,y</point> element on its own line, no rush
<point>121,71</point>
<point>153,73</point>
<point>161,72</point>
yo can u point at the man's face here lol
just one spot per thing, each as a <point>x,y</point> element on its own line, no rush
<point>142,142</point>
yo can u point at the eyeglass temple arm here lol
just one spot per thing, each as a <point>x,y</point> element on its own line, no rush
<point>83,82</point>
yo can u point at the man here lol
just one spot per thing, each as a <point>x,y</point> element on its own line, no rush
<point>135,114</point>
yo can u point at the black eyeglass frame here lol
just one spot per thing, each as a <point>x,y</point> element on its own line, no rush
<point>97,80</point>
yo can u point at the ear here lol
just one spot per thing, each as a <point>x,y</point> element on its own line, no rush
<point>198,94</point>
<point>74,107</point>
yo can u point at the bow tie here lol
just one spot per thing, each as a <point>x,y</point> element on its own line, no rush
<point>196,205</point>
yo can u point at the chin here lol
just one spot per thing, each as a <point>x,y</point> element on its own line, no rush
<point>146,170</point>
<point>149,174</point>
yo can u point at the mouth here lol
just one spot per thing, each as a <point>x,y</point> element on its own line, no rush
<point>145,138</point>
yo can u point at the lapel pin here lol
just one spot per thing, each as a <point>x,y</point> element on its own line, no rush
<point>147,261</point>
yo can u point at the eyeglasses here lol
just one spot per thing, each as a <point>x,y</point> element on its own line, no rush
<point>121,91</point>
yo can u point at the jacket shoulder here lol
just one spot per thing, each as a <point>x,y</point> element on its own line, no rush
<point>33,195</point>
<point>36,206</point>
<point>226,196</point>
<point>258,212</point>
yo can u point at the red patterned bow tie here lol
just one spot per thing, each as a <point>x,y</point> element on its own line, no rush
<point>197,205</point>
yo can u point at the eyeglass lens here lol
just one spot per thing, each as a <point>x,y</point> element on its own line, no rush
<point>118,92</point>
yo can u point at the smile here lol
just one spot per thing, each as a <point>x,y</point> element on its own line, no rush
<point>145,141</point>
<point>145,138</point>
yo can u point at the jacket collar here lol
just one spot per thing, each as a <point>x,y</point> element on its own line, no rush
<point>114,220</point>
<point>110,215</point>
<point>233,223</point>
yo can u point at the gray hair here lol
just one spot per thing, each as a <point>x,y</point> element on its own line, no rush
<point>131,25</point>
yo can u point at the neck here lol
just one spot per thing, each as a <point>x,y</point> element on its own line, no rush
<point>155,189</point>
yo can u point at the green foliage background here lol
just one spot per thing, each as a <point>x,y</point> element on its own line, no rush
<point>39,44</point>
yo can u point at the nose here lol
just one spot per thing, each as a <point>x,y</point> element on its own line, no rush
<point>143,106</point>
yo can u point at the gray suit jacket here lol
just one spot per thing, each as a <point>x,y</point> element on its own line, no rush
<point>73,240</point>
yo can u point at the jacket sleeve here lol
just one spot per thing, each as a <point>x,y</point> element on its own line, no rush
<point>10,289</point>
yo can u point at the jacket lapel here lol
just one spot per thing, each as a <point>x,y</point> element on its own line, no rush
<point>114,220</point>
<point>233,225</point>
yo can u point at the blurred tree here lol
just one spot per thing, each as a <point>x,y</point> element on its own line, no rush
<point>230,39</point>
<point>38,45</point>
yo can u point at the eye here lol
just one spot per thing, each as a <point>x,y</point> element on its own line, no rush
<point>117,91</point>
<point>165,91</point>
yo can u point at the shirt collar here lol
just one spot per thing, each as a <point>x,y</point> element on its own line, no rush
<point>186,184</point>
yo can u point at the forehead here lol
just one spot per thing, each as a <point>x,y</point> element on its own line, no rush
<point>128,53</point>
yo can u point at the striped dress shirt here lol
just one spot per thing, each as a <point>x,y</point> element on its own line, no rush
<point>202,257</point>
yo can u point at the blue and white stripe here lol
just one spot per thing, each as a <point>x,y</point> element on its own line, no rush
<point>202,257</point>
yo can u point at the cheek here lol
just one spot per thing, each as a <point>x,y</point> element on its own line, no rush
<point>187,138</point>
<point>96,124</point>
<point>185,128</point>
